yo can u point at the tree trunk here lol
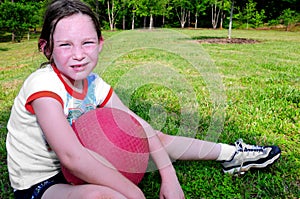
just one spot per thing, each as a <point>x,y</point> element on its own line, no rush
<point>214,15</point>
<point>189,19</point>
<point>124,22</point>
<point>97,8</point>
<point>111,16</point>
<point>230,21</point>
<point>222,15</point>
<point>221,21</point>
<point>132,22</point>
<point>196,20</point>
<point>13,36</point>
<point>182,24</point>
<point>145,21</point>
<point>151,22</point>
<point>183,17</point>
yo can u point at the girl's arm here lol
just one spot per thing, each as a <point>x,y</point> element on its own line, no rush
<point>170,188</point>
<point>79,160</point>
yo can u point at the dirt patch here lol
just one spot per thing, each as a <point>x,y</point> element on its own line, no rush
<point>227,41</point>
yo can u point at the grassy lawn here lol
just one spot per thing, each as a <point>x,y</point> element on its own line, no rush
<point>218,92</point>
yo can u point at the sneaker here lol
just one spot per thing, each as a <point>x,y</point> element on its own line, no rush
<point>250,156</point>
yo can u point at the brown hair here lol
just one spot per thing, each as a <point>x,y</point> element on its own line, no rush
<point>57,10</point>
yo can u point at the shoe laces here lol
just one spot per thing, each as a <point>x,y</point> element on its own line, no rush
<point>246,149</point>
<point>243,147</point>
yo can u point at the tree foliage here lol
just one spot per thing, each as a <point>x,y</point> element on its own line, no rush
<point>18,17</point>
<point>250,15</point>
<point>199,9</point>
<point>288,17</point>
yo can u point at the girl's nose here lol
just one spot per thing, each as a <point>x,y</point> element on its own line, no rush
<point>78,53</point>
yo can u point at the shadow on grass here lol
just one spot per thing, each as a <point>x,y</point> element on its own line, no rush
<point>207,37</point>
<point>202,38</point>
<point>4,49</point>
<point>223,40</point>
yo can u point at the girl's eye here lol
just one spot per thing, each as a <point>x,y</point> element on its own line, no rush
<point>64,45</point>
<point>89,43</point>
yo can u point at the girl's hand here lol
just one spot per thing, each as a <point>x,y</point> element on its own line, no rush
<point>171,189</point>
<point>81,162</point>
<point>170,186</point>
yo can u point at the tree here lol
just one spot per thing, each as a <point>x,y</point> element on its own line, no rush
<point>112,11</point>
<point>125,10</point>
<point>249,11</point>
<point>215,12</point>
<point>200,7</point>
<point>157,8</point>
<point>258,18</point>
<point>94,4</point>
<point>141,8</point>
<point>166,11</point>
<point>150,8</point>
<point>131,5</point>
<point>225,8</point>
<point>181,8</point>
<point>17,18</point>
<point>251,15</point>
<point>230,21</point>
<point>288,17</point>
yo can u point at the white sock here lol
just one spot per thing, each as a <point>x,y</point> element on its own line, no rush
<point>227,151</point>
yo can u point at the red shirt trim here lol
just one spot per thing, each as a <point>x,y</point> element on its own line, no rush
<point>69,89</point>
<point>110,92</point>
<point>40,94</point>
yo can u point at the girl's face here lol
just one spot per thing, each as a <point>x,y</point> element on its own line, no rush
<point>76,46</point>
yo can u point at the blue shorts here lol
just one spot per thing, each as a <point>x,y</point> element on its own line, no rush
<point>37,190</point>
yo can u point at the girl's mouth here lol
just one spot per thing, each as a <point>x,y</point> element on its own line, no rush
<point>79,67</point>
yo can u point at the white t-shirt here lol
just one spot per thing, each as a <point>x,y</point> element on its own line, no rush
<point>29,157</point>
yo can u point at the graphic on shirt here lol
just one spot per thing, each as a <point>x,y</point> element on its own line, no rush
<point>77,107</point>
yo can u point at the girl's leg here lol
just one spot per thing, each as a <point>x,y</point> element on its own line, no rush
<point>184,148</point>
<point>234,159</point>
<point>87,191</point>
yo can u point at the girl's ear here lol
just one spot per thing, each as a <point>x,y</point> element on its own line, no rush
<point>42,47</point>
<point>101,41</point>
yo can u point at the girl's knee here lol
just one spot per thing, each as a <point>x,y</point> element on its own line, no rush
<point>102,193</point>
<point>87,191</point>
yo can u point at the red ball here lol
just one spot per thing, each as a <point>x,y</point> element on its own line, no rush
<point>116,136</point>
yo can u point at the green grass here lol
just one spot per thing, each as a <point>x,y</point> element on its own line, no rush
<point>258,100</point>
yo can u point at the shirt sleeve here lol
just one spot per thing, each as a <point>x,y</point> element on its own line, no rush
<point>40,94</point>
<point>42,84</point>
<point>103,91</point>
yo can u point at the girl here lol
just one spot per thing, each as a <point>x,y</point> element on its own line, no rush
<point>40,137</point>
